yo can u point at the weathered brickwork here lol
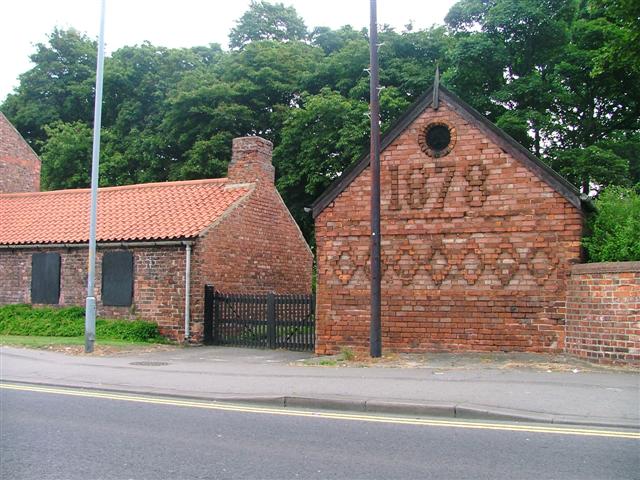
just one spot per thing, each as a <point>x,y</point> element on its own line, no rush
<point>603,312</point>
<point>476,250</point>
<point>158,282</point>
<point>257,247</point>
<point>158,289</point>
<point>254,247</point>
<point>19,165</point>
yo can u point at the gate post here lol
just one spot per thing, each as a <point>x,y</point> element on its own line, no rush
<point>208,314</point>
<point>271,320</point>
<point>312,310</point>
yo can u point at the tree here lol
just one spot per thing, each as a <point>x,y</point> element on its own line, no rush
<point>615,228</point>
<point>519,42</point>
<point>592,168</point>
<point>344,70</point>
<point>267,21</point>
<point>595,110</point>
<point>408,60</point>
<point>247,92</point>
<point>66,156</point>
<point>139,81</point>
<point>477,70</point>
<point>334,40</point>
<point>319,141</point>
<point>270,76</point>
<point>533,68</point>
<point>60,87</point>
<point>622,32</point>
<point>202,115</point>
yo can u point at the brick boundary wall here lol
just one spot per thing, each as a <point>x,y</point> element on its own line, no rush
<point>603,313</point>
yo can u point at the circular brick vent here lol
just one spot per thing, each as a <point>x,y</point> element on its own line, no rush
<point>437,139</point>
<point>150,364</point>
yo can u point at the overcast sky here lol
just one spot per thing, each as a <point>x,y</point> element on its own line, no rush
<point>183,23</point>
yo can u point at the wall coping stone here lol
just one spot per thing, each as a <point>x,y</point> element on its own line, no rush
<point>605,267</point>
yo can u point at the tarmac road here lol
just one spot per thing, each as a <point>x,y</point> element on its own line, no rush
<point>459,386</point>
<point>48,432</point>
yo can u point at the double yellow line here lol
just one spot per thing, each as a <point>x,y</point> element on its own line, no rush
<point>560,430</point>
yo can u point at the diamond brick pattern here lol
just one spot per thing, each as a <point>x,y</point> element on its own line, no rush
<point>476,248</point>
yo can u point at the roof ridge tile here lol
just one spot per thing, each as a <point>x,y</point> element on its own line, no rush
<point>163,210</point>
<point>64,191</point>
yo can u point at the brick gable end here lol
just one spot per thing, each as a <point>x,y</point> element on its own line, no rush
<point>19,165</point>
<point>476,249</point>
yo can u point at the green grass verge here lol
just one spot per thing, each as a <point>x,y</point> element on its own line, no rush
<point>25,320</point>
<point>43,342</point>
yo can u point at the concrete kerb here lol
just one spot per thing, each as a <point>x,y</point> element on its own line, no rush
<point>443,410</point>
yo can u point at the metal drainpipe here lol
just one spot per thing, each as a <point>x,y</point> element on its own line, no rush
<point>187,292</point>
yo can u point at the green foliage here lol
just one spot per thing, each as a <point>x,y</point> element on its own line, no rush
<point>595,163</point>
<point>135,331</point>
<point>615,228</point>
<point>69,322</point>
<point>267,21</point>
<point>532,67</point>
<point>595,109</point>
<point>58,88</point>
<point>347,354</point>
<point>66,156</point>
<point>334,40</point>
<point>329,127</point>
<point>46,321</point>
<point>408,60</point>
<point>622,34</point>
<point>560,76</point>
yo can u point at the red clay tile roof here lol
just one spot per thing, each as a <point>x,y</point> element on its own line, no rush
<point>152,211</point>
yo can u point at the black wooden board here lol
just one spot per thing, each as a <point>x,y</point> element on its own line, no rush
<point>117,278</point>
<point>45,278</point>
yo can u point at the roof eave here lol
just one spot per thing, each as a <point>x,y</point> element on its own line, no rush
<point>342,182</point>
<point>511,146</point>
<point>109,244</point>
<point>499,136</point>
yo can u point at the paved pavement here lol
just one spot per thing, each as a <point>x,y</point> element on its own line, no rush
<point>463,386</point>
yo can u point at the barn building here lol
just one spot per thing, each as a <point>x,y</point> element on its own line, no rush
<point>478,238</point>
<point>156,242</point>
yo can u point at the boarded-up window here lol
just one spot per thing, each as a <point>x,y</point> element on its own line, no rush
<point>117,278</point>
<point>45,278</point>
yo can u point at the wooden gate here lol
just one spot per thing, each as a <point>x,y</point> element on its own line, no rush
<point>259,321</point>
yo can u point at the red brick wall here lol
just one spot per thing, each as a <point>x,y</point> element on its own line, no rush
<point>19,165</point>
<point>255,248</point>
<point>476,251</point>
<point>158,291</point>
<point>603,312</point>
<point>15,276</point>
<point>251,161</point>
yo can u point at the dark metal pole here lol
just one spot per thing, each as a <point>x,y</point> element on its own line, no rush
<point>375,341</point>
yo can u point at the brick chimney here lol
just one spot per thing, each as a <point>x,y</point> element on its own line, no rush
<point>251,161</point>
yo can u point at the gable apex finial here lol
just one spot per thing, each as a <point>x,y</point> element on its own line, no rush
<point>436,87</point>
